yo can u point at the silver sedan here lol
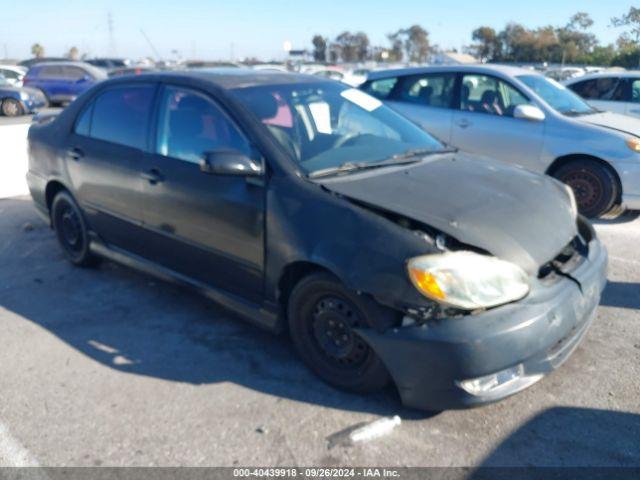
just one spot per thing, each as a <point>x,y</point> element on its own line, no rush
<point>519,116</point>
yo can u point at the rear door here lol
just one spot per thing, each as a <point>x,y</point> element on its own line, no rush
<point>427,99</point>
<point>104,158</point>
<point>604,93</point>
<point>208,227</point>
<point>50,78</point>
<point>484,124</point>
<point>76,79</point>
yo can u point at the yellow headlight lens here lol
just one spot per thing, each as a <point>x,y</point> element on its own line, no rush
<point>634,144</point>
<point>427,284</point>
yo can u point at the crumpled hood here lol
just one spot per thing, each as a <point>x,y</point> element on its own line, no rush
<point>614,121</point>
<point>514,214</point>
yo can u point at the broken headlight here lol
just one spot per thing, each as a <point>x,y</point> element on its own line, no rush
<point>467,280</point>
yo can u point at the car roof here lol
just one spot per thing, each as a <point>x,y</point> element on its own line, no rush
<point>605,74</point>
<point>64,63</point>
<point>230,78</point>
<point>474,68</point>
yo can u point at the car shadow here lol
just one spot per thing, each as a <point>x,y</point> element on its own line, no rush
<point>564,437</point>
<point>135,324</point>
<point>621,295</point>
<point>625,217</point>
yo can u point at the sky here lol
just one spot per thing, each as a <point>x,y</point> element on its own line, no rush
<point>227,29</point>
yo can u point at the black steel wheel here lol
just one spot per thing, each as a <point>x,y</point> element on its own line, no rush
<point>71,230</point>
<point>323,318</point>
<point>594,185</point>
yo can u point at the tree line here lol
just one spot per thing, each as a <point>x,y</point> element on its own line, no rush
<point>572,42</point>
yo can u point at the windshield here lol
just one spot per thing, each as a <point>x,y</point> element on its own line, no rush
<point>325,125</point>
<point>556,95</point>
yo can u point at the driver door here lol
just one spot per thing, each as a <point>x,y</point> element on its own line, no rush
<point>484,122</point>
<point>205,226</point>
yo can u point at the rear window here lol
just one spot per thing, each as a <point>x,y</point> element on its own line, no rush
<point>121,115</point>
<point>380,88</point>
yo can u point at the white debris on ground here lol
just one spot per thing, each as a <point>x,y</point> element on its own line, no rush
<point>363,432</point>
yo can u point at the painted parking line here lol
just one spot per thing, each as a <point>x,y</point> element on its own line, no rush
<point>12,453</point>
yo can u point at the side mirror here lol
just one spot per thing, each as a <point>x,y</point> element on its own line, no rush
<point>229,162</point>
<point>528,112</point>
<point>85,78</point>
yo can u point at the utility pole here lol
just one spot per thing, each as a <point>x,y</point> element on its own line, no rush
<point>112,41</point>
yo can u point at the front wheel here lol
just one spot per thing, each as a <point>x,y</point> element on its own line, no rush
<point>323,316</point>
<point>12,108</point>
<point>71,230</point>
<point>594,185</point>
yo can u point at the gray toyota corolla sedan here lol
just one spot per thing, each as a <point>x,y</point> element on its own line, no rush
<point>309,207</point>
<point>521,117</point>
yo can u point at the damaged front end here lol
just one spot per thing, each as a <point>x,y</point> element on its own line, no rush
<point>442,358</point>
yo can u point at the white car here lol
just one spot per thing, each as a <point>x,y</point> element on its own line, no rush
<point>617,92</point>
<point>522,117</point>
<point>13,74</point>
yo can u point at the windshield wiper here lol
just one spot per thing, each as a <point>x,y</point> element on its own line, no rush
<point>577,113</point>
<point>415,152</point>
<point>407,157</point>
<point>352,166</point>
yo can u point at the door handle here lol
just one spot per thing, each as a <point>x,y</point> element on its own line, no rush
<point>463,123</point>
<point>75,154</point>
<point>152,176</point>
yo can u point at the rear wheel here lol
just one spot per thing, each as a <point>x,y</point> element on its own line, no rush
<point>323,316</point>
<point>71,230</point>
<point>594,185</point>
<point>12,108</point>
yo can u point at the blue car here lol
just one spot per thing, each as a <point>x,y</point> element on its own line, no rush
<point>15,101</point>
<point>62,82</point>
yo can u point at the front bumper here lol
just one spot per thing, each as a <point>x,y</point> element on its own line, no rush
<point>629,173</point>
<point>538,333</point>
<point>34,103</point>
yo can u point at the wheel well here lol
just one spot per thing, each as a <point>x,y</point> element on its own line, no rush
<point>292,274</point>
<point>561,161</point>
<point>51,191</point>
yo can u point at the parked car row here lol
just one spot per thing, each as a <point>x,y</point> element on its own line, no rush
<point>309,206</point>
<point>15,100</point>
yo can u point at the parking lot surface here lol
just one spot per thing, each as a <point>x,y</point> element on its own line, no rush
<point>112,367</point>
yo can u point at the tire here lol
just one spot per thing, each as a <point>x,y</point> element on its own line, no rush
<point>594,185</point>
<point>71,230</point>
<point>322,314</point>
<point>11,108</point>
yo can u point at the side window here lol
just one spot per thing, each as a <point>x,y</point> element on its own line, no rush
<point>635,91</point>
<point>83,122</point>
<point>9,74</point>
<point>585,89</point>
<point>434,90</point>
<point>380,88</point>
<point>51,71</point>
<point>189,125</point>
<point>121,115</point>
<point>487,94</point>
<point>74,73</point>
<point>603,88</point>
